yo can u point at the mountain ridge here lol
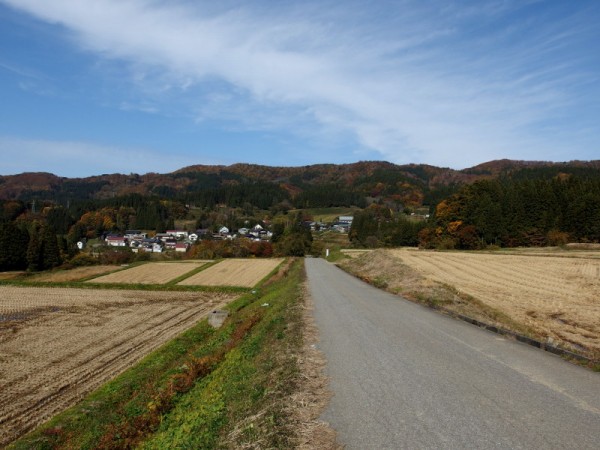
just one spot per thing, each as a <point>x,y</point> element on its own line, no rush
<point>369,177</point>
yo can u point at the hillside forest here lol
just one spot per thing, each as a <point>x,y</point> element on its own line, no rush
<point>501,204</point>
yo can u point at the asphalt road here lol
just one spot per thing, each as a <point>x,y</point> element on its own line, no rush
<point>404,376</point>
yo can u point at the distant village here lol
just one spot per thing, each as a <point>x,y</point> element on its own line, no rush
<point>182,240</point>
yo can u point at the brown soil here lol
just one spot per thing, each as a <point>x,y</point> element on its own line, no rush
<point>550,297</point>
<point>234,272</point>
<point>150,273</point>
<point>57,345</point>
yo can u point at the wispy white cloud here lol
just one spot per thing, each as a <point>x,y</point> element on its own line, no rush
<point>22,71</point>
<point>142,107</point>
<point>77,159</point>
<point>444,83</point>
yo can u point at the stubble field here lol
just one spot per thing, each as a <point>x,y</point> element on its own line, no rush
<point>151,273</point>
<point>57,345</point>
<point>556,294</point>
<point>234,272</point>
<point>76,274</point>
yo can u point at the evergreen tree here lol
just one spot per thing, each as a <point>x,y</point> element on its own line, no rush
<point>13,247</point>
<point>50,252</point>
<point>34,256</point>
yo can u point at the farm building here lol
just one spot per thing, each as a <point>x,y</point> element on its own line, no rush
<point>116,241</point>
<point>178,234</point>
<point>181,247</point>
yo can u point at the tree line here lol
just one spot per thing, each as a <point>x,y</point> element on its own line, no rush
<point>518,212</point>
<point>380,226</point>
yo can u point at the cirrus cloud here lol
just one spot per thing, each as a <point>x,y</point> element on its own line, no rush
<point>448,83</point>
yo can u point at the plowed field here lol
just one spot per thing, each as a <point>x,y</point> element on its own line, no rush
<point>558,296</point>
<point>234,272</point>
<point>151,273</point>
<point>57,345</point>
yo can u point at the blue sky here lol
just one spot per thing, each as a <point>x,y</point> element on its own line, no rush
<point>105,86</point>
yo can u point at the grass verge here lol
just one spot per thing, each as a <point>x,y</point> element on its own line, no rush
<point>205,389</point>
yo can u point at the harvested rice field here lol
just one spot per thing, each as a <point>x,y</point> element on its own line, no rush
<point>556,295</point>
<point>234,272</point>
<point>58,344</point>
<point>77,274</point>
<point>150,273</point>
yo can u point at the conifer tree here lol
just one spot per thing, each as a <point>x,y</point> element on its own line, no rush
<point>50,252</point>
<point>13,247</point>
<point>34,257</point>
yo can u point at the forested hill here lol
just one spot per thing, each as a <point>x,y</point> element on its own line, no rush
<point>308,186</point>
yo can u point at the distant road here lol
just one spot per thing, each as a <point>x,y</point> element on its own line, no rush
<point>406,377</point>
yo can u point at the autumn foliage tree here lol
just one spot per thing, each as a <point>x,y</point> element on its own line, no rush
<point>524,212</point>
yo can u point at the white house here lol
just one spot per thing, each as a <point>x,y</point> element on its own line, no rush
<point>179,234</point>
<point>116,241</point>
<point>223,230</point>
<point>135,234</point>
<point>193,237</point>
<point>181,247</point>
<point>170,243</point>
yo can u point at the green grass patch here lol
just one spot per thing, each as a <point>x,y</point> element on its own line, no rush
<point>200,389</point>
<point>326,214</point>
<point>238,403</point>
<point>335,254</point>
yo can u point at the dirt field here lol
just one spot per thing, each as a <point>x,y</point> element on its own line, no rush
<point>234,272</point>
<point>76,274</point>
<point>558,296</point>
<point>150,273</point>
<point>57,345</point>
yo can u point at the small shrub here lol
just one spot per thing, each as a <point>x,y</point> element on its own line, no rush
<point>446,243</point>
<point>557,238</point>
<point>117,256</point>
<point>83,259</point>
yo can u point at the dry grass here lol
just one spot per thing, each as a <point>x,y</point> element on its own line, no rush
<point>76,274</point>
<point>551,297</point>
<point>354,253</point>
<point>311,395</point>
<point>10,275</point>
<point>234,272</point>
<point>151,273</point>
<point>57,345</point>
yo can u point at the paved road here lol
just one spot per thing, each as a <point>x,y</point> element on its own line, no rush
<point>404,376</point>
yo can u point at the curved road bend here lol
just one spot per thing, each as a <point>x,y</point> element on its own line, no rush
<point>406,377</point>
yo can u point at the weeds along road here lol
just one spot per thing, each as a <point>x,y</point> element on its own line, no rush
<point>404,376</point>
